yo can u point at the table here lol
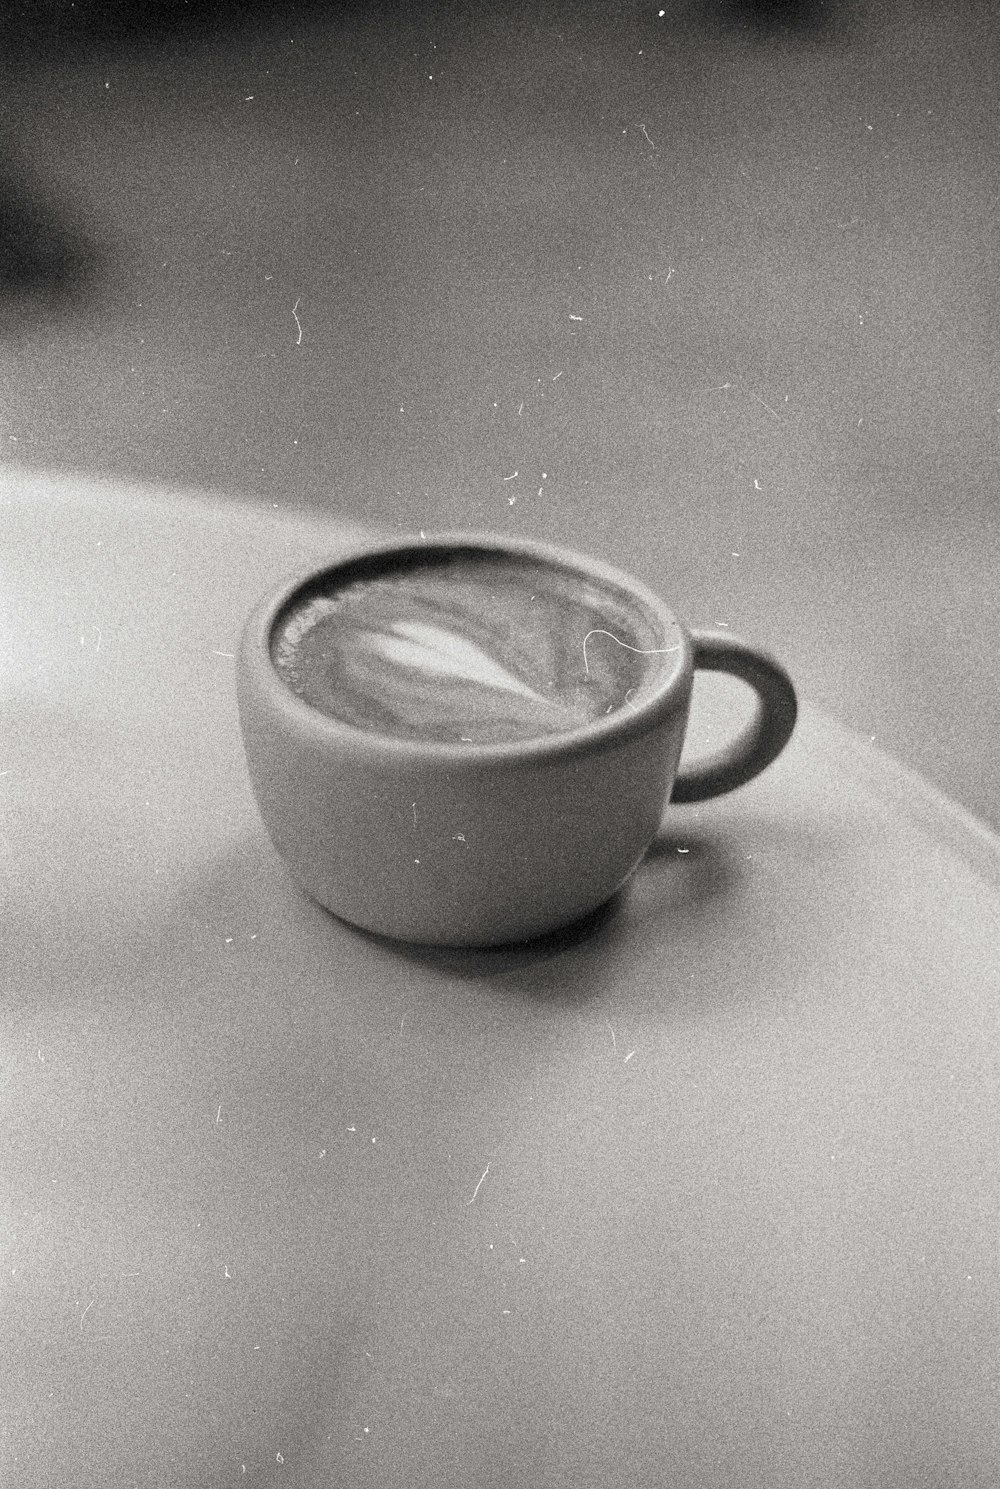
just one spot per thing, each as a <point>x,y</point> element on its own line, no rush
<point>703,1194</point>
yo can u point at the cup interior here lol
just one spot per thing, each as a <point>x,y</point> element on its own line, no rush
<point>470,640</point>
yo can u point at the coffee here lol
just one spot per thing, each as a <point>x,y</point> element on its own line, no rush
<point>467,645</point>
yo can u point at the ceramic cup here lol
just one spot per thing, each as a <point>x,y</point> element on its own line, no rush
<point>474,839</point>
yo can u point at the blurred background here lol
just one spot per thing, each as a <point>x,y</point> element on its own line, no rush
<point>708,287</point>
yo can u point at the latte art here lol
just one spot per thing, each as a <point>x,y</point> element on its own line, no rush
<point>435,651</point>
<point>467,646</point>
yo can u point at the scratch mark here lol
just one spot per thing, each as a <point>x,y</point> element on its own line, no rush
<point>414,816</point>
<point>228,654</point>
<point>479,1186</point>
<point>298,323</point>
<point>646,133</point>
<point>765,405</point>
<point>655,651</point>
<point>628,1057</point>
<point>614,1042</point>
<point>218,1115</point>
<point>557,377</point>
<point>83,1315</point>
<point>511,478</point>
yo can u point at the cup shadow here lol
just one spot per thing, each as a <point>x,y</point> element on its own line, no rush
<point>680,874</point>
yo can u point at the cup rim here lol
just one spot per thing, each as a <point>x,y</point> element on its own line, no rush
<point>622,724</point>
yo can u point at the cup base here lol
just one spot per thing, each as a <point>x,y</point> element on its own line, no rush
<point>546,942</point>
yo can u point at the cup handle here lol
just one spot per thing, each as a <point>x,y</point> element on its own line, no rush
<point>754,749</point>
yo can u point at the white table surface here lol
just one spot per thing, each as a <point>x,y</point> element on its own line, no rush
<point>704,1196</point>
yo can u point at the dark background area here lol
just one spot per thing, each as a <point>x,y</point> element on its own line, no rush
<point>706,288</point>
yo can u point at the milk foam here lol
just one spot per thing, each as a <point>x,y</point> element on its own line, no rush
<point>469,646</point>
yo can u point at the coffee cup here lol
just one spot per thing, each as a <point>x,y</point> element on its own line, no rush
<point>467,739</point>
